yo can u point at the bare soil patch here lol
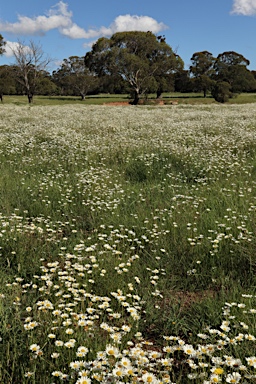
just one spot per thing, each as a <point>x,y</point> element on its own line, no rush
<point>118,103</point>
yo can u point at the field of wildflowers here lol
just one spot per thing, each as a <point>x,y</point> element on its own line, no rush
<point>127,244</point>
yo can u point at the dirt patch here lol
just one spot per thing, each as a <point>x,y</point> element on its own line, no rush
<point>186,299</point>
<point>118,103</point>
<point>142,102</point>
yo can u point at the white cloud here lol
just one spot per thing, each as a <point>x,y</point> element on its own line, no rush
<point>244,7</point>
<point>75,32</point>
<point>122,23</point>
<point>136,23</point>
<point>59,17</point>
<point>9,47</point>
<point>89,44</point>
<point>12,46</point>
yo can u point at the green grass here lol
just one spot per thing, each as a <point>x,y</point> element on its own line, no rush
<point>135,230</point>
<point>168,98</point>
<point>62,100</point>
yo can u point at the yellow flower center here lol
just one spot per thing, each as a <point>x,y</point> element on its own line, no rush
<point>218,371</point>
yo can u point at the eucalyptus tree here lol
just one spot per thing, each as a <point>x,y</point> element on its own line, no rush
<point>140,58</point>
<point>202,70</point>
<point>7,81</point>
<point>74,78</point>
<point>231,67</point>
<point>183,82</point>
<point>167,63</point>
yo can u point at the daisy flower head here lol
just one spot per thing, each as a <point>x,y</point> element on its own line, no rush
<point>83,380</point>
<point>82,351</point>
<point>150,378</point>
<point>217,370</point>
<point>34,347</point>
<point>251,361</point>
<point>189,349</point>
<point>118,372</point>
<point>215,378</point>
<point>233,378</point>
<point>112,351</point>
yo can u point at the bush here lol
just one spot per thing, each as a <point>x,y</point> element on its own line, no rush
<point>221,91</point>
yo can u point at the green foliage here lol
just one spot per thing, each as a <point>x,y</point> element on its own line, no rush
<point>202,71</point>
<point>221,91</point>
<point>202,63</point>
<point>74,79</point>
<point>139,58</point>
<point>2,44</point>
<point>46,86</point>
<point>231,67</point>
<point>7,82</point>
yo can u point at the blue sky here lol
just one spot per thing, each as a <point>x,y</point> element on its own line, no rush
<point>69,27</point>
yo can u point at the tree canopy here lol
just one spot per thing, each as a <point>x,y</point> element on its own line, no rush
<point>202,70</point>
<point>139,58</point>
<point>2,44</point>
<point>74,77</point>
<point>231,67</point>
<point>7,82</point>
<point>135,63</point>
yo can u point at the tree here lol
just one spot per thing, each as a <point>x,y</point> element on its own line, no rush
<point>7,82</point>
<point>253,73</point>
<point>230,67</point>
<point>182,81</point>
<point>221,91</point>
<point>166,64</point>
<point>45,85</point>
<point>202,70</point>
<point>139,58</point>
<point>30,64</point>
<point>112,84</point>
<point>2,44</point>
<point>74,78</point>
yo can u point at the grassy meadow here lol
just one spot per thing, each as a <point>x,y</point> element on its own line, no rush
<point>127,243</point>
<point>167,98</point>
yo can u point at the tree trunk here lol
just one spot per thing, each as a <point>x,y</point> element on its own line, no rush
<point>158,93</point>
<point>1,97</point>
<point>136,98</point>
<point>82,96</point>
<point>30,98</point>
<point>205,90</point>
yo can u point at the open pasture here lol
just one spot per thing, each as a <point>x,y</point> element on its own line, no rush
<point>102,99</point>
<point>127,244</point>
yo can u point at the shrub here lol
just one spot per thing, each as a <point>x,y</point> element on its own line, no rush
<point>221,91</point>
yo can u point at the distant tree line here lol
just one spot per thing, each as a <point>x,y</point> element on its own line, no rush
<point>137,63</point>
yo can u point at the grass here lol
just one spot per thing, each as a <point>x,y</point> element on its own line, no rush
<point>168,98</point>
<point>127,243</point>
<point>64,100</point>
